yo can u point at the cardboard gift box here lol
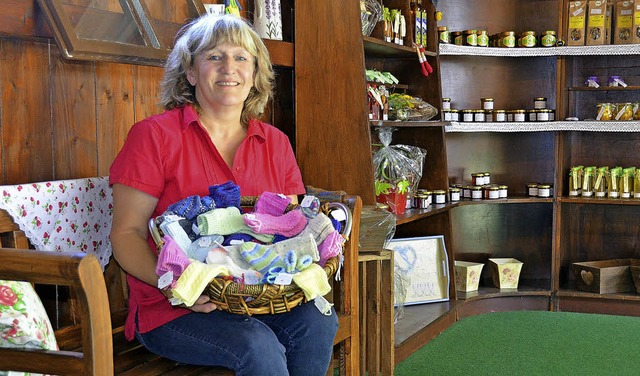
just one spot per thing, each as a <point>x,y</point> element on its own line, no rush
<point>605,276</point>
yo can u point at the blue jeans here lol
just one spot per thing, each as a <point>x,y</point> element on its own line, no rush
<point>299,342</point>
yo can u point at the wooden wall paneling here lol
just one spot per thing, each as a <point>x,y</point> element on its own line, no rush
<point>74,118</point>
<point>332,135</point>
<point>146,91</point>
<point>27,143</point>
<point>23,18</point>
<point>115,110</point>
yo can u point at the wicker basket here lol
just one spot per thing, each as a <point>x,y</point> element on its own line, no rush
<point>262,298</point>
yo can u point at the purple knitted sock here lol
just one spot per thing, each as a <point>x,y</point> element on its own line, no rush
<point>188,208</point>
<point>225,195</point>
<point>272,203</point>
<point>290,224</point>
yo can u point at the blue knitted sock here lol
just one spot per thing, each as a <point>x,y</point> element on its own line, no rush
<point>188,207</point>
<point>225,195</point>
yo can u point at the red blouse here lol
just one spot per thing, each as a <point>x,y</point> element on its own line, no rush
<point>170,156</point>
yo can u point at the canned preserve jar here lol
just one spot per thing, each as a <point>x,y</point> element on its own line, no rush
<point>476,192</point>
<point>455,115</point>
<point>467,116</point>
<point>499,116</point>
<point>469,38</point>
<point>487,177</point>
<point>446,103</point>
<point>544,190</point>
<point>507,39</point>
<point>494,192</point>
<point>443,35</point>
<point>503,191</point>
<point>519,115</point>
<point>544,115</point>
<point>456,37</point>
<point>478,116</point>
<point>605,111</point>
<point>539,103</point>
<point>624,111</point>
<point>532,115</point>
<point>488,116</point>
<point>439,196</point>
<point>477,178</point>
<point>487,103</point>
<point>528,39</point>
<point>548,39</point>
<point>483,39</point>
<point>454,194</point>
<point>532,189</point>
<point>446,114</point>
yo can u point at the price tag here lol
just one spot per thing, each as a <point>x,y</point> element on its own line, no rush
<point>307,201</point>
<point>165,280</point>
<point>323,305</point>
<point>338,215</point>
<point>283,279</point>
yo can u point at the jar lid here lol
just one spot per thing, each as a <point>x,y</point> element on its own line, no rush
<point>442,28</point>
<point>493,188</point>
<point>532,185</point>
<point>519,111</point>
<point>475,188</point>
<point>550,32</point>
<point>528,32</point>
<point>471,31</point>
<point>544,186</point>
<point>486,173</point>
<point>446,99</point>
<point>477,174</point>
<point>486,99</point>
<point>454,110</point>
<point>507,33</point>
<point>503,186</point>
<point>452,189</point>
<point>439,192</point>
<point>480,32</point>
<point>500,111</point>
<point>468,111</point>
<point>540,99</point>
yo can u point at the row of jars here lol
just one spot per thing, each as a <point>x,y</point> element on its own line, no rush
<point>509,39</point>
<point>543,190</point>
<point>480,116</point>
<point>604,182</point>
<point>539,103</point>
<point>618,111</point>
<point>424,198</point>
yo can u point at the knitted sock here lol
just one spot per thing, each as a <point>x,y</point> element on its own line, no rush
<point>188,207</point>
<point>219,256</point>
<point>336,224</point>
<point>187,226</point>
<point>177,233</point>
<point>272,203</point>
<point>237,238</point>
<point>301,244</point>
<point>312,281</point>
<point>194,280</point>
<point>235,252</point>
<point>271,275</point>
<point>310,206</point>
<point>319,227</point>
<point>330,247</point>
<point>171,259</point>
<point>222,221</point>
<point>290,224</point>
<point>304,262</point>
<point>261,257</point>
<point>290,262</point>
<point>207,204</point>
<point>225,195</point>
<point>199,249</point>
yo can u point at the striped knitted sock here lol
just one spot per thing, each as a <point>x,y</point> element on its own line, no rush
<point>261,257</point>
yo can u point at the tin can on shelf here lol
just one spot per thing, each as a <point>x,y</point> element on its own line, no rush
<point>443,35</point>
<point>548,39</point>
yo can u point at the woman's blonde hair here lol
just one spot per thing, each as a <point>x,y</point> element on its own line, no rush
<point>203,34</point>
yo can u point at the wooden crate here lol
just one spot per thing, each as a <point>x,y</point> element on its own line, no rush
<point>605,276</point>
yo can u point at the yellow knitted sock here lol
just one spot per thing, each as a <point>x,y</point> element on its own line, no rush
<point>313,281</point>
<point>194,280</point>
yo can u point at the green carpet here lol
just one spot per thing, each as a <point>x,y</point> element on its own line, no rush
<point>531,343</point>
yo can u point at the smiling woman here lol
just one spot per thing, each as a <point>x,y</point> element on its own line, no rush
<point>218,79</point>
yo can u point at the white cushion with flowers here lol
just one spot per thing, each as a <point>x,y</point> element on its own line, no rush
<point>23,321</point>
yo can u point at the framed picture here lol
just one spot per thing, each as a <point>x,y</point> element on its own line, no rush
<point>421,270</point>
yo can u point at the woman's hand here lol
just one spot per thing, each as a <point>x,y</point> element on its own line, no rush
<point>202,305</point>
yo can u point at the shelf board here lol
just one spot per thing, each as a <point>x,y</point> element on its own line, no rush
<point>390,86</point>
<point>411,215</point>
<point>551,126</point>
<point>455,50</point>
<point>598,201</point>
<point>375,47</point>
<point>631,295</point>
<point>605,88</point>
<point>494,292</point>
<point>407,124</point>
<point>418,318</point>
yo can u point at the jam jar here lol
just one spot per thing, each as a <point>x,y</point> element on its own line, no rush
<point>548,39</point>
<point>470,38</point>
<point>443,35</point>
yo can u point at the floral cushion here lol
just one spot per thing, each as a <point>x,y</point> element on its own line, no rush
<point>23,320</point>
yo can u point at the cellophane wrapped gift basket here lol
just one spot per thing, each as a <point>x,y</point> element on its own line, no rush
<point>251,254</point>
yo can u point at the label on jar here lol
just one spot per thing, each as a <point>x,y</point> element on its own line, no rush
<point>587,193</point>
<point>528,41</point>
<point>518,117</point>
<point>467,116</point>
<point>625,195</point>
<point>440,199</point>
<point>601,194</point>
<point>548,40</point>
<point>466,192</point>
<point>487,105</point>
<point>613,194</point>
<point>478,117</point>
<point>455,196</point>
<point>540,104</point>
<point>500,116</point>
<point>509,41</point>
<point>483,40</point>
<point>544,192</point>
<point>636,195</point>
<point>574,193</point>
<point>476,194</point>
<point>533,191</point>
<point>543,116</point>
<point>502,193</point>
<point>494,193</point>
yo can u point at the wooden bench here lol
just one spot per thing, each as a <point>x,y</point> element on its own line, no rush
<point>88,309</point>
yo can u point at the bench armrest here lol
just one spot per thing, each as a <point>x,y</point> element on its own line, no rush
<point>82,272</point>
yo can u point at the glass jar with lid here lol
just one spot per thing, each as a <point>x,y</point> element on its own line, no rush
<point>499,116</point>
<point>454,194</point>
<point>493,192</point>
<point>548,39</point>
<point>527,39</point>
<point>507,39</point>
<point>478,116</point>
<point>470,38</point>
<point>532,189</point>
<point>446,103</point>
<point>443,35</point>
<point>455,115</point>
<point>544,190</point>
<point>544,115</point>
<point>624,111</point>
<point>519,115</point>
<point>456,37</point>
<point>467,116</point>
<point>476,192</point>
<point>539,103</point>
<point>605,111</point>
<point>487,103</point>
<point>477,178</point>
<point>532,115</point>
<point>503,191</point>
<point>483,39</point>
<point>439,196</point>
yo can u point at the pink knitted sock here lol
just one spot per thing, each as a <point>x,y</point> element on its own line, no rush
<point>289,225</point>
<point>171,258</point>
<point>272,203</point>
<point>330,247</point>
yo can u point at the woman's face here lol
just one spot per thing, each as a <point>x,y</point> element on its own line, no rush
<point>223,77</point>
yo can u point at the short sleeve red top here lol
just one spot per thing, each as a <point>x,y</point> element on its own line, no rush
<point>170,156</point>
